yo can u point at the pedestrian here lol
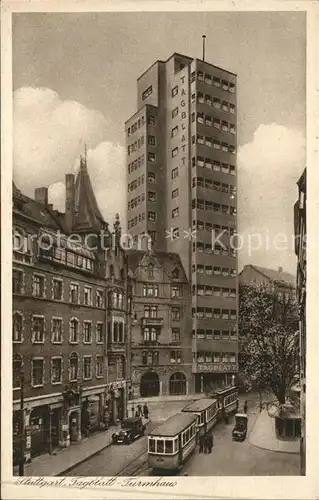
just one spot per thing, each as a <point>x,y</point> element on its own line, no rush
<point>201,443</point>
<point>139,409</point>
<point>210,443</point>
<point>245,407</point>
<point>137,413</point>
<point>260,406</point>
<point>145,411</point>
<point>206,443</point>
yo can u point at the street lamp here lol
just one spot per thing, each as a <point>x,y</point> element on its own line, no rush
<point>21,462</point>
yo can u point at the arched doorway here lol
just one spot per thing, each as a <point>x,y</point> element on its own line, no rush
<point>177,384</point>
<point>149,385</point>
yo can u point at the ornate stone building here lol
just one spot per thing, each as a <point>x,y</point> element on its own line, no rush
<point>161,325</point>
<point>69,318</point>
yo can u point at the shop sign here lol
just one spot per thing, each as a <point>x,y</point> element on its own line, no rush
<point>214,367</point>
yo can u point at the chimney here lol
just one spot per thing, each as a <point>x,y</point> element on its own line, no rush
<point>69,201</point>
<point>280,270</point>
<point>41,195</point>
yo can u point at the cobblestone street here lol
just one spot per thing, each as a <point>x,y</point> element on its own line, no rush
<point>228,458</point>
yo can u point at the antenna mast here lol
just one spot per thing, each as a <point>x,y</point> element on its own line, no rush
<point>204,39</point>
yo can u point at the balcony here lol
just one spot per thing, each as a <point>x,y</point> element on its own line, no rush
<point>214,367</point>
<point>150,343</point>
<point>152,321</point>
<point>116,347</point>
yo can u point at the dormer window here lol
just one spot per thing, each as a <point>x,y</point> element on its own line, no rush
<point>151,270</point>
<point>175,273</point>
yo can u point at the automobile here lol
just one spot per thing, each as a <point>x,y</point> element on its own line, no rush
<point>240,430</point>
<point>131,429</point>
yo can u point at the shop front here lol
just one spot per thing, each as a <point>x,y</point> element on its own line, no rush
<point>40,430</point>
<point>115,405</point>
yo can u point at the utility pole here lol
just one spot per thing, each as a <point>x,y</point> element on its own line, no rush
<point>22,426</point>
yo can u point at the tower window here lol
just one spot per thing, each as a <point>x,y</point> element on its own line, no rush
<point>147,92</point>
<point>175,91</point>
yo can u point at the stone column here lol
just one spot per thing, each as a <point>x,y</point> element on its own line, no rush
<point>66,432</point>
<point>186,387</point>
<point>160,388</point>
<point>79,434</point>
<point>202,383</point>
<point>114,410</point>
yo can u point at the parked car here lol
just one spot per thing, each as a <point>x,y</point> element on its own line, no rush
<point>240,430</point>
<point>131,429</point>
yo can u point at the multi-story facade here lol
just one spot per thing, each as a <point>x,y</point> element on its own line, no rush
<point>300,249</point>
<point>69,317</point>
<point>181,180</point>
<point>285,283</point>
<point>161,354</point>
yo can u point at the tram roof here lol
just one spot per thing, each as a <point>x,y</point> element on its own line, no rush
<point>224,390</point>
<point>199,405</point>
<point>173,425</point>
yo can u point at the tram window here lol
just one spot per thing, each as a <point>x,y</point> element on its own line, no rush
<point>151,445</point>
<point>160,446</point>
<point>168,446</point>
<point>175,444</point>
<point>202,418</point>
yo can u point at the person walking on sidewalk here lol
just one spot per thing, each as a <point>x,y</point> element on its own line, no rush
<point>210,443</point>
<point>145,411</point>
<point>206,443</point>
<point>245,407</point>
<point>201,443</point>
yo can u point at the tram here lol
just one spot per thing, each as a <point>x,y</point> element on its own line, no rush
<point>207,411</point>
<point>228,400</point>
<point>171,444</point>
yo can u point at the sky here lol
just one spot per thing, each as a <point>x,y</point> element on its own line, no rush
<point>74,79</point>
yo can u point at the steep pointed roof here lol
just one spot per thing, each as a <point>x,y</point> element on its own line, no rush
<point>168,260</point>
<point>87,212</point>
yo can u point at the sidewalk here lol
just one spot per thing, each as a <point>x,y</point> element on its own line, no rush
<point>263,436</point>
<point>64,459</point>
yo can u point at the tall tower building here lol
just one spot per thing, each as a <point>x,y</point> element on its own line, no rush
<point>181,171</point>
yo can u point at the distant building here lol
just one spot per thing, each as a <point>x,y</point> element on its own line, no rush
<point>69,318</point>
<point>182,182</point>
<point>161,343</point>
<point>284,282</point>
<point>300,249</point>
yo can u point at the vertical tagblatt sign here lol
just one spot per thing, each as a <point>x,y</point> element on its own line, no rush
<point>184,117</point>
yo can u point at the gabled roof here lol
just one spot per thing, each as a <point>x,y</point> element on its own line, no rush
<point>87,212</point>
<point>275,275</point>
<point>169,261</point>
<point>36,211</point>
